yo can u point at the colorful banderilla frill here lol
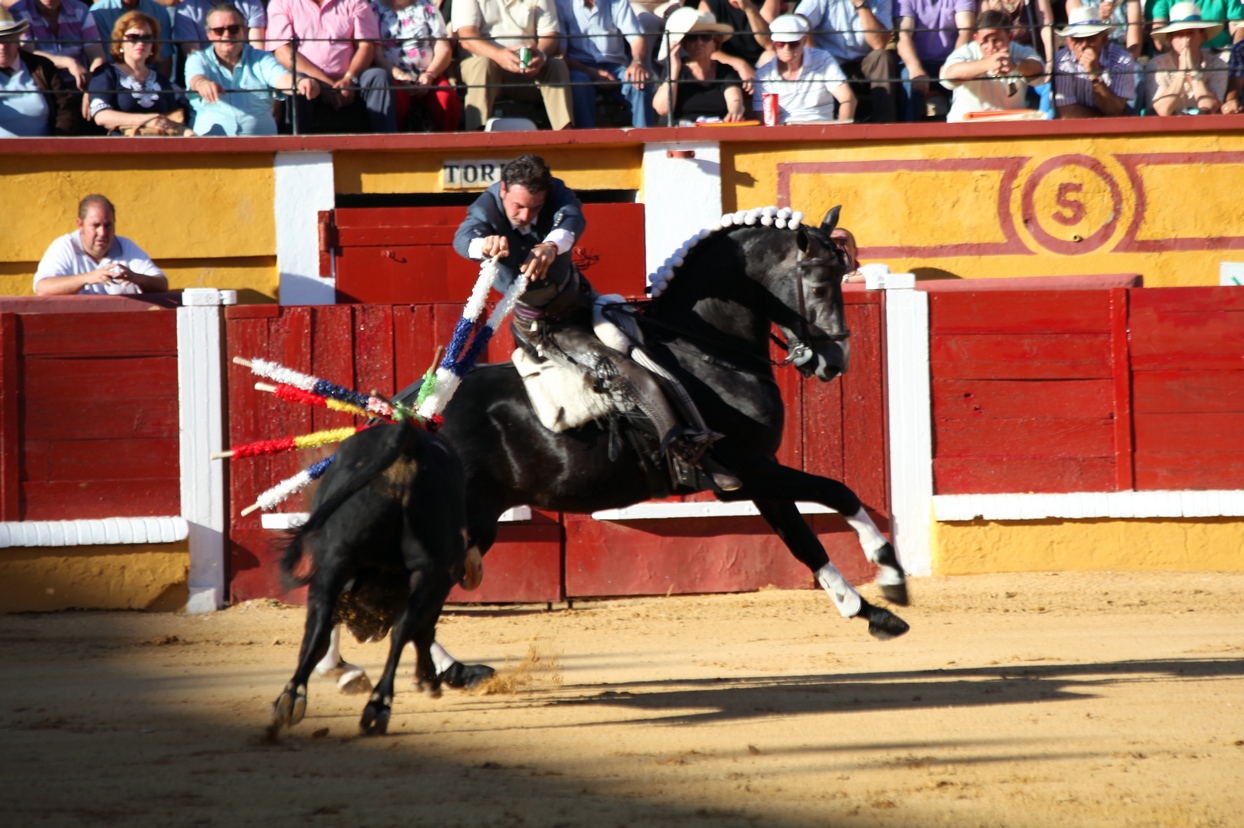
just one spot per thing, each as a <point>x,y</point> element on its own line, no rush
<point>438,387</point>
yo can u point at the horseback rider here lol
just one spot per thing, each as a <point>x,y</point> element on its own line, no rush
<point>532,220</point>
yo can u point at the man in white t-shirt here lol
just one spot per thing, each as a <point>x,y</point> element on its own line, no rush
<point>807,81</point>
<point>94,259</point>
<point>990,72</point>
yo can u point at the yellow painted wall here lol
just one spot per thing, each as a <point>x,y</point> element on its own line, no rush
<point>582,168</point>
<point>206,219</point>
<point>930,194</point>
<point>1200,544</point>
<point>41,579</point>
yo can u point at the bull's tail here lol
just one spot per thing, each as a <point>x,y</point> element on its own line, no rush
<point>360,459</point>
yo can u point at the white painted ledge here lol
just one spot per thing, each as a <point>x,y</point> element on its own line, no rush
<point>101,532</point>
<point>283,521</point>
<point>668,511</point>
<point>1087,505</point>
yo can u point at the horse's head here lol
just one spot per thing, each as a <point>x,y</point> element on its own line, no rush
<point>812,290</point>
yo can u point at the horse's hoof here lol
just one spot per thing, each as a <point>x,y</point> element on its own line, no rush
<point>432,687</point>
<point>375,721</point>
<point>354,682</point>
<point>465,676</point>
<point>883,624</point>
<point>895,593</point>
<point>290,706</point>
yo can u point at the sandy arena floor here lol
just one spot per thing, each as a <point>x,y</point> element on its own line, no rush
<point>1017,700</point>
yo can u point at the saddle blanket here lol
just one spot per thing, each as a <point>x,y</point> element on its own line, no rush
<point>563,397</point>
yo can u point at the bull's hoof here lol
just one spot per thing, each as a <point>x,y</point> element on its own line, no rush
<point>290,706</point>
<point>883,624</point>
<point>375,721</point>
<point>465,676</point>
<point>895,593</point>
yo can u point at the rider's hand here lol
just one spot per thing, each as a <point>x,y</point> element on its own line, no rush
<point>538,260</point>
<point>496,246</point>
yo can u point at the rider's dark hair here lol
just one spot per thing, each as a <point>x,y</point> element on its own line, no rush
<point>528,171</point>
<point>993,19</point>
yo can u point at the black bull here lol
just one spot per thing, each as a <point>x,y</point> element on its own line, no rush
<point>387,541</point>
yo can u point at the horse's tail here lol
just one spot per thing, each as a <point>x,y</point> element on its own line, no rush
<point>360,460</point>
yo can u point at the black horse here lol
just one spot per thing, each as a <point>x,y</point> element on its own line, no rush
<point>711,328</point>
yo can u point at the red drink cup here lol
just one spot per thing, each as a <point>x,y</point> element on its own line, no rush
<point>770,100</point>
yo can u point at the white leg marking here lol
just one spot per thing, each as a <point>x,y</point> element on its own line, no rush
<point>873,542</point>
<point>845,598</point>
<point>441,657</point>
<point>350,677</point>
<point>332,659</point>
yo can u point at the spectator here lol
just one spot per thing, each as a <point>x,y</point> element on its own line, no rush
<point>992,71</point>
<point>597,33</point>
<point>33,101</point>
<point>95,259</point>
<point>856,35</point>
<point>1231,105</point>
<point>1093,77</point>
<point>416,51</point>
<point>190,26</point>
<point>130,92</point>
<point>336,46</point>
<point>63,32</point>
<point>807,81</point>
<point>1031,23</point>
<point>494,33</point>
<point>1188,78</point>
<point>703,89</point>
<point>1128,19</point>
<point>857,271</point>
<point>234,80</point>
<point>106,13</point>
<point>750,24</point>
<point>1229,13</point>
<point>928,31</point>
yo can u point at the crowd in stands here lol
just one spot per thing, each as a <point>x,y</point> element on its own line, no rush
<point>266,67</point>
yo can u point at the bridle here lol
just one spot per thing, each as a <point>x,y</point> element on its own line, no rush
<point>798,349</point>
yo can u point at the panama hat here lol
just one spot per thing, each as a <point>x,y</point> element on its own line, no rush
<point>1186,16</point>
<point>1084,22</point>
<point>789,28</point>
<point>9,26</point>
<point>683,22</point>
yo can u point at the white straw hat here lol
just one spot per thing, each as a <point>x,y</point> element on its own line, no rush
<point>789,28</point>
<point>9,26</point>
<point>1186,16</point>
<point>685,21</point>
<point>1084,22</point>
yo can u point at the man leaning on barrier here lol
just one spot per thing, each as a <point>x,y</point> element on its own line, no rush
<point>498,35</point>
<point>333,41</point>
<point>94,259</point>
<point>233,80</point>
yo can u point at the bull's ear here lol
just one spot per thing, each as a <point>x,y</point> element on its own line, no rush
<point>831,219</point>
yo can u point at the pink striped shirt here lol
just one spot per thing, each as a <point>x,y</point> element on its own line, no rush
<point>74,27</point>
<point>326,33</point>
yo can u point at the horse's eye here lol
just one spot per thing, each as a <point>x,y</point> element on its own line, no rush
<point>821,291</point>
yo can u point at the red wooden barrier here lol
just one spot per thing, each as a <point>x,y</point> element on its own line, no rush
<point>387,254</point>
<point>88,415</point>
<point>1023,391</point>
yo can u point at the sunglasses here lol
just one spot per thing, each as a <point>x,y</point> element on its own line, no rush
<point>785,44</point>
<point>136,37</point>
<point>697,38</point>
<point>221,31</point>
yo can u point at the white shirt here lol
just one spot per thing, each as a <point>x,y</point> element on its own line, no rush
<point>808,98</point>
<point>985,94</point>
<point>65,257</point>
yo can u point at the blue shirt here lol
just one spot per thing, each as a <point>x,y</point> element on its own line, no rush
<point>108,12</point>
<point>836,26</point>
<point>23,109</point>
<point>239,111</point>
<point>597,35</point>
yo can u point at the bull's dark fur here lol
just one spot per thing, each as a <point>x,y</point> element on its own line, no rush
<point>385,543</point>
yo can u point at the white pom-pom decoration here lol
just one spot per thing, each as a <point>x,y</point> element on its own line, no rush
<point>796,217</point>
<point>767,221</point>
<point>770,211</point>
<point>779,223</point>
<point>727,220</point>
<point>750,220</point>
<point>784,213</point>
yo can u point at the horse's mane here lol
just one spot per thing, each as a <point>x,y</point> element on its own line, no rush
<point>779,217</point>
